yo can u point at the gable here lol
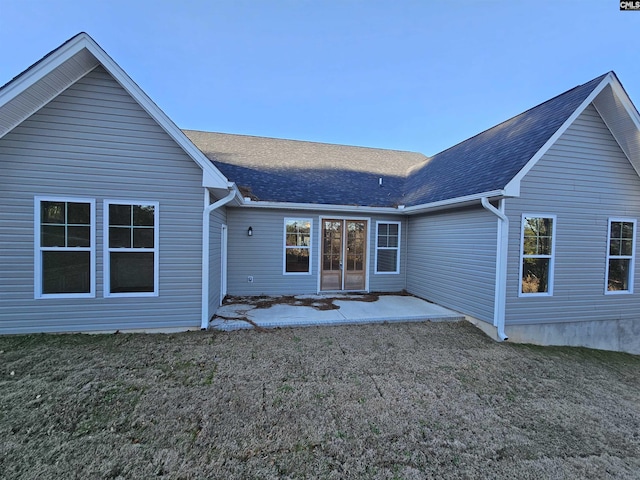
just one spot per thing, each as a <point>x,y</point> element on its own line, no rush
<point>488,161</point>
<point>43,81</point>
<point>585,167</point>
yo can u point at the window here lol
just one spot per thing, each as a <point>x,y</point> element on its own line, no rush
<point>65,253</point>
<point>388,247</point>
<point>131,248</point>
<point>538,244</point>
<point>620,259</point>
<point>297,248</point>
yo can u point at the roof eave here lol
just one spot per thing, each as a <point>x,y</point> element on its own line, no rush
<point>455,202</point>
<point>248,203</point>
<point>399,210</point>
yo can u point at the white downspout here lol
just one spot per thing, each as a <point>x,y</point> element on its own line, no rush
<point>501,265</point>
<point>206,222</point>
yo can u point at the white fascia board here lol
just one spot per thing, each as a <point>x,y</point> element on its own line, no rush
<point>321,207</point>
<point>514,183</point>
<point>628,105</point>
<point>401,210</point>
<point>211,177</point>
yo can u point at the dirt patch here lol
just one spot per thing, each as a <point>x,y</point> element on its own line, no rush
<point>412,401</point>
<point>319,302</point>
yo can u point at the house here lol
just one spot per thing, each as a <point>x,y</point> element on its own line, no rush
<point>115,219</point>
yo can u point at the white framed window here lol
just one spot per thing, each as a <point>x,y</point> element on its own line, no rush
<point>131,238</point>
<point>297,246</point>
<point>537,255</point>
<point>388,247</point>
<point>620,256</point>
<point>65,253</point>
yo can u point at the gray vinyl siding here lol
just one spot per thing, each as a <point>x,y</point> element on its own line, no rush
<point>95,141</point>
<point>218,218</point>
<point>584,179</point>
<point>261,255</point>
<point>452,260</point>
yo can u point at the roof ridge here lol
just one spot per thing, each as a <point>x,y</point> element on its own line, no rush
<point>305,141</point>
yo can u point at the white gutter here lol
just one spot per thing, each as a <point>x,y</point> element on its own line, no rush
<point>206,222</point>
<point>502,251</point>
<point>399,210</point>
<point>324,207</point>
<point>453,201</point>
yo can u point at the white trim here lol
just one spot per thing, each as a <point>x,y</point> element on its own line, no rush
<point>358,209</point>
<point>631,258</point>
<point>38,249</point>
<point>514,183</point>
<point>224,241</point>
<point>285,247</point>
<point>211,177</point>
<point>397,249</point>
<point>107,250</point>
<point>628,105</point>
<point>550,280</point>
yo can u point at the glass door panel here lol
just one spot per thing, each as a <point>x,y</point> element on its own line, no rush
<point>356,247</point>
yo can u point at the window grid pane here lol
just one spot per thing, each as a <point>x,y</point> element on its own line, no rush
<point>65,224</point>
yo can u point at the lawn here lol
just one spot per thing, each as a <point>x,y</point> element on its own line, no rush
<point>412,401</point>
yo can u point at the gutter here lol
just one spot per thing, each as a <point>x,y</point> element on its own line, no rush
<point>206,222</point>
<point>501,266</point>
<point>399,210</point>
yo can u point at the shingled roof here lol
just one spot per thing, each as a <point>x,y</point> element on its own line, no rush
<point>489,160</point>
<point>276,170</point>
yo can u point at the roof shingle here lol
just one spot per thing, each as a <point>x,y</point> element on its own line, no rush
<point>307,172</point>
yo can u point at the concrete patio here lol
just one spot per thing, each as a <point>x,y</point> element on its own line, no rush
<point>337,309</point>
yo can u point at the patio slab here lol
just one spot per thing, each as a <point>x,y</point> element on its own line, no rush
<point>313,310</point>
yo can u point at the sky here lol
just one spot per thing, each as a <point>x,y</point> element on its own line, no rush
<point>397,74</point>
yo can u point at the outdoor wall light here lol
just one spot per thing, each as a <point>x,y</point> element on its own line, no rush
<point>250,231</point>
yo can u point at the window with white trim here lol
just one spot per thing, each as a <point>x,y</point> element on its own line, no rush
<point>131,248</point>
<point>620,256</point>
<point>297,245</point>
<point>65,247</point>
<point>387,247</point>
<point>537,255</point>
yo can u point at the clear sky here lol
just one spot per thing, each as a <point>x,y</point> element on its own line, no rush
<point>399,74</point>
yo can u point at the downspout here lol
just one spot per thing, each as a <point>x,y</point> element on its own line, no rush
<point>501,266</point>
<point>206,222</point>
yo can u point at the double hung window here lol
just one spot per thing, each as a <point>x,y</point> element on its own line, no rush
<point>297,245</point>
<point>537,255</point>
<point>65,247</point>
<point>620,256</point>
<point>388,247</point>
<point>131,248</point>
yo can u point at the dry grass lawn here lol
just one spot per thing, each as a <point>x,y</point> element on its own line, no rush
<point>412,401</point>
